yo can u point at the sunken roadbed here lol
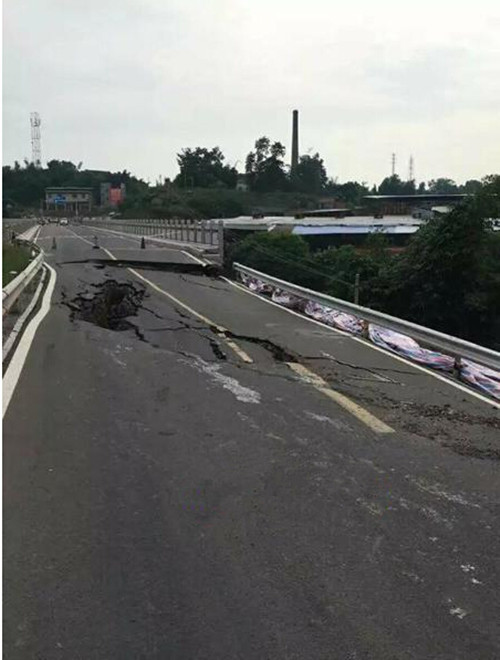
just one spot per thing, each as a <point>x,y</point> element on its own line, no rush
<point>173,488</point>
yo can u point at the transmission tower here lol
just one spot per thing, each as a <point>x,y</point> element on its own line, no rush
<point>36,148</point>
<point>411,170</point>
<point>393,168</point>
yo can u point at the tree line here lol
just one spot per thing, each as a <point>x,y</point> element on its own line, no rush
<point>206,169</point>
<point>24,185</point>
<point>266,171</point>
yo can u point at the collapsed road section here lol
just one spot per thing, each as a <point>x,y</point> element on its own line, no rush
<point>109,306</point>
<point>208,269</point>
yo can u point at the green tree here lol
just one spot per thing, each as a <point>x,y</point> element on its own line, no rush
<point>449,276</point>
<point>310,175</point>
<point>204,168</point>
<point>393,185</point>
<point>442,186</point>
<point>351,192</point>
<point>265,167</point>
<point>471,187</point>
<point>278,253</point>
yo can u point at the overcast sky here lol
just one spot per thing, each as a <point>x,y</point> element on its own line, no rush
<point>128,83</point>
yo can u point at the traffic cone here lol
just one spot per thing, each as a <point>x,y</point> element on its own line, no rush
<point>143,243</point>
<point>54,244</point>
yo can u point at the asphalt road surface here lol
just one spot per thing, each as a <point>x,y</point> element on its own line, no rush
<point>176,487</point>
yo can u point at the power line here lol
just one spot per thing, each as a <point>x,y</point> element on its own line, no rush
<point>301,264</point>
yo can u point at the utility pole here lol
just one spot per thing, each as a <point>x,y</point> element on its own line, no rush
<point>393,164</point>
<point>295,141</point>
<point>411,170</point>
<point>36,149</point>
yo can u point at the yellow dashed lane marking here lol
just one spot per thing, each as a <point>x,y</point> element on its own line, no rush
<point>353,408</point>
<point>220,330</point>
<point>306,375</point>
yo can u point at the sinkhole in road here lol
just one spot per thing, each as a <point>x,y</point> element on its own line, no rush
<point>109,306</point>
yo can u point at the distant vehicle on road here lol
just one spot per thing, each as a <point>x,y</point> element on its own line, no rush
<point>64,221</point>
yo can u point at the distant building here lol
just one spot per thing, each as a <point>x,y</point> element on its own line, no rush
<point>380,205</point>
<point>330,203</point>
<point>323,232</point>
<point>112,195</point>
<point>69,200</point>
<point>325,212</point>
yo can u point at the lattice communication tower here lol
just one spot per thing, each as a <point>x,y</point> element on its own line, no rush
<point>36,141</point>
<point>411,170</point>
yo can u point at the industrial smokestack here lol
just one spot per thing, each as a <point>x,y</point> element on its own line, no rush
<point>295,140</point>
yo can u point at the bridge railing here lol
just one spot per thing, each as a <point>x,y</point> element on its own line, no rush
<point>449,345</point>
<point>201,232</point>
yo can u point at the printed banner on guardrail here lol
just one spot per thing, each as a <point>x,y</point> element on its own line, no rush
<point>404,345</point>
<point>483,378</point>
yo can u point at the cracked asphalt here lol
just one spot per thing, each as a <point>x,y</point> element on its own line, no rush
<point>165,499</point>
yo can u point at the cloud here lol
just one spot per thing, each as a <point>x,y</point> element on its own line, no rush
<point>129,86</point>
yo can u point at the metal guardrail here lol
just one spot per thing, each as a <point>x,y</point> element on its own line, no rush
<point>453,346</point>
<point>16,226</point>
<point>12,290</point>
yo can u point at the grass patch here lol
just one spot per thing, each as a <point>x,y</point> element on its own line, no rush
<point>14,258</point>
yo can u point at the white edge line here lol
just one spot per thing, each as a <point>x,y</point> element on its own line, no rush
<point>138,240</point>
<point>128,237</point>
<point>78,236</point>
<point>290,311</point>
<point>11,376</point>
<point>161,243</point>
<point>188,254</point>
<point>399,358</point>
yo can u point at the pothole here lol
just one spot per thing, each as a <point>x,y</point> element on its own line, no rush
<point>109,306</point>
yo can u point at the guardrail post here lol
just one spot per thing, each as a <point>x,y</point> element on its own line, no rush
<point>220,238</point>
<point>203,231</point>
<point>356,289</point>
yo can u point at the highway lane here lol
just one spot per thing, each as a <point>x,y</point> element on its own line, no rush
<point>161,501</point>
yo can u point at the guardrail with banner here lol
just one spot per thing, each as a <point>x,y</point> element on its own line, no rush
<point>477,365</point>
